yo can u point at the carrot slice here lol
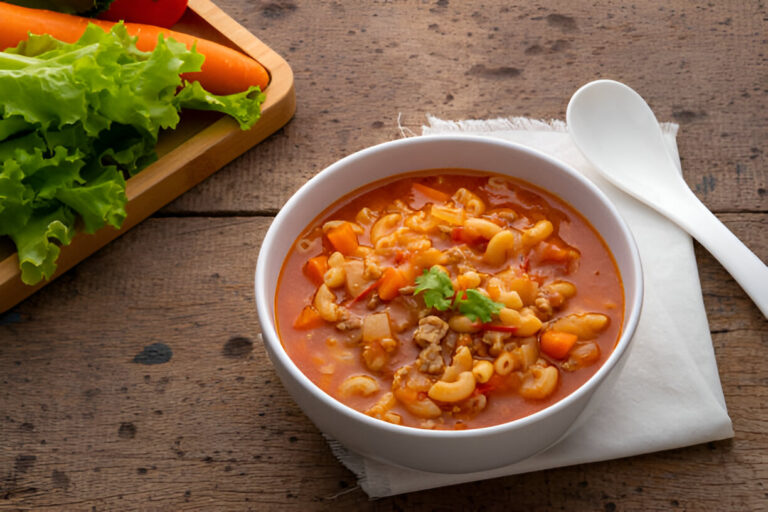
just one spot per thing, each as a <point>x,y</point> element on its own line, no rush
<point>309,318</point>
<point>431,193</point>
<point>315,268</point>
<point>557,344</point>
<point>225,71</point>
<point>390,283</point>
<point>343,238</point>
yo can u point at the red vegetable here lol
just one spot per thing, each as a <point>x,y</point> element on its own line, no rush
<point>461,234</point>
<point>365,292</point>
<point>525,265</point>
<point>494,327</point>
<point>499,328</point>
<point>163,13</point>
<point>225,71</point>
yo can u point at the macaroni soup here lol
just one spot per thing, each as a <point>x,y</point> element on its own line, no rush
<point>449,299</point>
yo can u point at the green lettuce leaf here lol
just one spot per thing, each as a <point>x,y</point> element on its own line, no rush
<point>15,198</point>
<point>35,243</point>
<point>102,200</point>
<point>245,106</point>
<point>76,120</point>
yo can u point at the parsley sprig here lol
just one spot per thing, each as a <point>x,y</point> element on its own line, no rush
<point>439,294</point>
<point>437,289</point>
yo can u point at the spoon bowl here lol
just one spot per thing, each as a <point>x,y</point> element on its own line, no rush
<point>618,133</point>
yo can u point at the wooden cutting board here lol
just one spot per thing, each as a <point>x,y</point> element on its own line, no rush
<point>202,143</point>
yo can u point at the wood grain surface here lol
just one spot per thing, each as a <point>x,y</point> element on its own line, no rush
<point>137,381</point>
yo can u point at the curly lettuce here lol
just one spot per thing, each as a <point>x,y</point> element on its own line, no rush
<point>76,120</point>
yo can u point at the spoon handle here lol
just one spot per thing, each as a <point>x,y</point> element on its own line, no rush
<point>745,267</point>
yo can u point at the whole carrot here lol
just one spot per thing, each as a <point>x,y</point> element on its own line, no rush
<point>224,71</point>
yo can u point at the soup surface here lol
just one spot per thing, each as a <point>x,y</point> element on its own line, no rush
<point>449,299</point>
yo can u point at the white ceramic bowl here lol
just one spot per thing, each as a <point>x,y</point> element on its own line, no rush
<point>445,451</point>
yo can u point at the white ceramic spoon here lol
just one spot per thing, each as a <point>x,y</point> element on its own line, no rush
<point>616,130</point>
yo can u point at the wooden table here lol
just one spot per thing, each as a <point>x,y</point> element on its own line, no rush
<point>88,423</point>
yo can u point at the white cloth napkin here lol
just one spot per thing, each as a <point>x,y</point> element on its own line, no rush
<point>668,394</point>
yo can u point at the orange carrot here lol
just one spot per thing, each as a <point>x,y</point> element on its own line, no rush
<point>343,238</point>
<point>557,344</point>
<point>224,71</point>
<point>431,193</point>
<point>309,318</point>
<point>315,268</point>
<point>390,283</point>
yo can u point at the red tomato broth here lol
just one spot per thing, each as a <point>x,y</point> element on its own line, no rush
<point>596,278</point>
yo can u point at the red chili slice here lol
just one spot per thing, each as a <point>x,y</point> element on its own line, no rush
<point>459,234</point>
<point>499,328</point>
<point>365,292</point>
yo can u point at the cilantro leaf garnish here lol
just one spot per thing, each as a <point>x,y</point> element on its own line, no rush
<point>437,288</point>
<point>474,305</point>
<point>438,292</point>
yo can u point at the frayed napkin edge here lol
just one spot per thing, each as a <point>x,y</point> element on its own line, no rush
<point>515,123</point>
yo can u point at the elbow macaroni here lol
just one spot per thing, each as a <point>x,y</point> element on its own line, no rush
<point>538,233</point>
<point>455,391</point>
<point>325,304</point>
<point>483,371</point>
<point>471,202</point>
<point>482,227</point>
<point>501,246</point>
<point>384,226</point>
<point>363,385</point>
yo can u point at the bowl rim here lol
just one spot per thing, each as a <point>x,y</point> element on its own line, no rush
<point>271,337</point>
